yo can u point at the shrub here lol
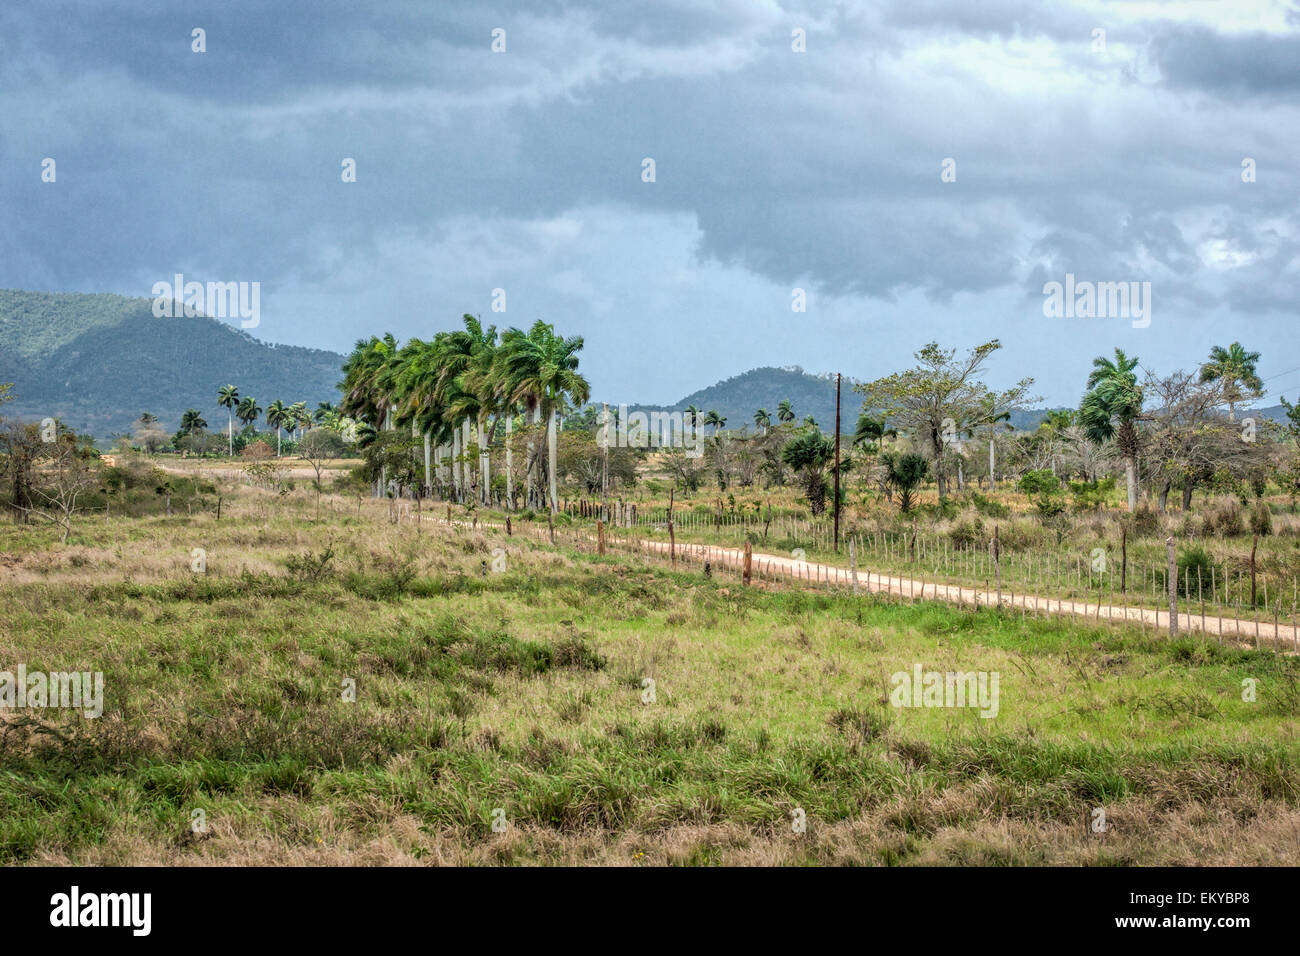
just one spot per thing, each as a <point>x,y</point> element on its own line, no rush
<point>1192,562</point>
<point>1261,519</point>
<point>967,533</point>
<point>1091,495</point>
<point>1145,521</point>
<point>1039,481</point>
<point>989,507</point>
<point>1226,520</point>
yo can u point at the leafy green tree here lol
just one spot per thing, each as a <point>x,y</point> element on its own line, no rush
<point>931,400</point>
<point>785,411</point>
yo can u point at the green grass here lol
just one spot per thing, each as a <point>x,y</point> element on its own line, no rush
<point>523,691</point>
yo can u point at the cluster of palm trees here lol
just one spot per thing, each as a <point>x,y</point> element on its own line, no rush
<point>456,389</point>
<point>296,418</point>
<point>1112,405</point>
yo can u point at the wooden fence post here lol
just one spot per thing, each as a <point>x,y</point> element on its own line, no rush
<point>1173,586</point>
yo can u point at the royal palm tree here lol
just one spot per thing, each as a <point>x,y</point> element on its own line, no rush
<point>692,414</point>
<point>539,370</point>
<point>1111,408</point>
<point>248,410</point>
<point>1234,367</point>
<point>368,386</point>
<point>762,419</point>
<point>192,421</point>
<point>868,432</point>
<point>458,355</point>
<point>277,414</point>
<point>323,412</point>
<point>228,398</point>
<point>785,411</point>
<point>715,420</point>
<point>299,418</point>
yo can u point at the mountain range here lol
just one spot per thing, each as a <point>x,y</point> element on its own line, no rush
<point>97,360</point>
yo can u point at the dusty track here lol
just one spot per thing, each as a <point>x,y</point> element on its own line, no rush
<point>777,569</point>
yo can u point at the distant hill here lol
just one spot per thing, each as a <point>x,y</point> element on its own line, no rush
<point>737,398</point>
<point>96,361</point>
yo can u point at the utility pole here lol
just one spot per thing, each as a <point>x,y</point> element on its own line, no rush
<point>837,462</point>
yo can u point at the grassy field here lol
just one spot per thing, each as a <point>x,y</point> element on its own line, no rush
<point>523,691</point>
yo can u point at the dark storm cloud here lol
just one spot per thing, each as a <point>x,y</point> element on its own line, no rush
<point>774,168</point>
<point>1192,57</point>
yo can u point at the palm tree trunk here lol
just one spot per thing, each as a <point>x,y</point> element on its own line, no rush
<point>1130,478</point>
<point>455,461</point>
<point>552,443</point>
<point>277,441</point>
<point>510,459</point>
<point>484,462</point>
<point>230,417</point>
<point>533,497</point>
<point>428,474</point>
<point>992,481</point>
<point>467,435</point>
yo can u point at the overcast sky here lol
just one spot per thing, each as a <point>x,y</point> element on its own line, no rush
<point>774,170</point>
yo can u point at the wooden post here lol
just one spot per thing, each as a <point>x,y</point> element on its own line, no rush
<point>1254,546</point>
<point>748,572</point>
<point>837,462</point>
<point>1173,586</point>
<point>600,536</point>
<point>997,562</point>
<point>672,537</point>
<point>509,530</point>
<point>1123,559</point>
<point>853,563</point>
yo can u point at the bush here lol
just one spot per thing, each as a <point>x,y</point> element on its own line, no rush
<point>1261,519</point>
<point>989,507</point>
<point>967,534</point>
<point>1145,522</point>
<point>1038,482</point>
<point>1191,562</point>
<point>944,508</point>
<point>1091,495</point>
<point>1226,520</point>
